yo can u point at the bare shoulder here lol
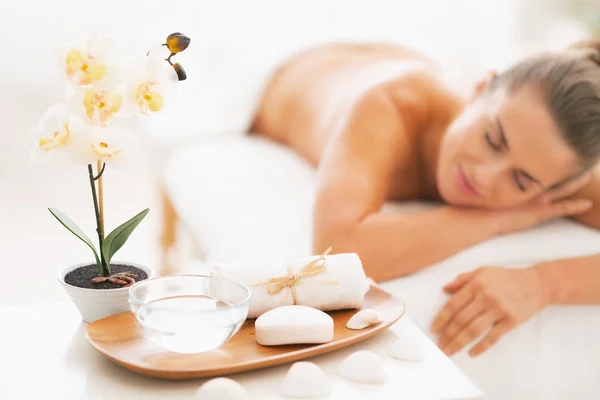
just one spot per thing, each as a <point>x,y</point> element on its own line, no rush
<point>383,124</point>
<point>361,161</point>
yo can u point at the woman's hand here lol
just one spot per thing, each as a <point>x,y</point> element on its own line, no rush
<point>553,204</point>
<point>491,298</point>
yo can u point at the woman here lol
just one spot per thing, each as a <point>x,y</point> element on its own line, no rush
<point>382,124</point>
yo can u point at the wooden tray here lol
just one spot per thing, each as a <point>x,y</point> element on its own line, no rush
<point>119,338</point>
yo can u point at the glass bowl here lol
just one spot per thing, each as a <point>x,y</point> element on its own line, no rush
<point>189,313</point>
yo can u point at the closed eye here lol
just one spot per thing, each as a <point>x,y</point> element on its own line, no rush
<point>522,180</point>
<point>492,144</point>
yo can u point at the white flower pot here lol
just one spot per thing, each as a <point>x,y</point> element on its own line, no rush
<point>94,304</point>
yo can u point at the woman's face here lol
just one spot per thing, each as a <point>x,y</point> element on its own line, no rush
<point>502,151</point>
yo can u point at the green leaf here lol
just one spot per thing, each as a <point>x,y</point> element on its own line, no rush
<point>117,238</point>
<point>76,230</point>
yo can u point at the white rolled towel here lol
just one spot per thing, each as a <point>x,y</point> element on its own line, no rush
<point>326,282</point>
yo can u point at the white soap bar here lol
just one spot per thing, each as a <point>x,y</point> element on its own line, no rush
<point>293,325</point>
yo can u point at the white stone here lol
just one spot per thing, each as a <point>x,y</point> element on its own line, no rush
<point>407,348</point>
<point>221,389</point>
<point>363,366</point>
<point>293,325</point>
<point>305,380</point>
<point>363,319</point>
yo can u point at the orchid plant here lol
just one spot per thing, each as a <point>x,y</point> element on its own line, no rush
<point>97,124</point>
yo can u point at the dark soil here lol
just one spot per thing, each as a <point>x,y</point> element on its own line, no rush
<point>82,276</point>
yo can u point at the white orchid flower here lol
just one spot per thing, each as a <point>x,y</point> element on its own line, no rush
<point>97,106</point>
<point>56,131</point>
<point>151,87</point>
<point>112,145</point>
<point>89,64</point>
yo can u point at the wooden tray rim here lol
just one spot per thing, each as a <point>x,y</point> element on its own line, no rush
<point>301,353</point>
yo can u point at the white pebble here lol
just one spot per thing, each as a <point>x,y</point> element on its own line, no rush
<point>407,348</point>
<point>305,380</point>
<point>363,366</point>
<point>221,389</point>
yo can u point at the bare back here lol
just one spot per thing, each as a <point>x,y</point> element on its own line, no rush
<point>312,94</point>
<point>311,99</point>
<point>370,118</point>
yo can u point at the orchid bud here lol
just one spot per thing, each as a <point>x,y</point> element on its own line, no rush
<point>177,42</point>
<point>181,75</point>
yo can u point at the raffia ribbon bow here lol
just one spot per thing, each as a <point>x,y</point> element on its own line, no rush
<point>315,267</point>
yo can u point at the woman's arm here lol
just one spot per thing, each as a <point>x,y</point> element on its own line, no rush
<point>577,280</point>
<point>571,281</point>
<point>491,301</point>
<point>496,299</point>
<point>354,181</point>
<point>355,176</point>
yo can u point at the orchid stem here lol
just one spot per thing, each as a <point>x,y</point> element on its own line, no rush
<point>103,269</point>
<point>100,169</point>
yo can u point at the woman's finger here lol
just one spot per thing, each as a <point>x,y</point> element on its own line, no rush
<point>566,208</point>
<point>470,332</point>
<point>460,320</point>
<point>460,299</point>
<point>458,282</point>
<point>499,329</point>
<point>568,188</point>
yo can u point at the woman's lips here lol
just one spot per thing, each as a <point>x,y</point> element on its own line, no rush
<point>464,184</point>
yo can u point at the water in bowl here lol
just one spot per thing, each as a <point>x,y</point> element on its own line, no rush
<point>189,324</point>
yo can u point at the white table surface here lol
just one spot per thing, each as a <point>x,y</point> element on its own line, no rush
<point>44,354</point>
